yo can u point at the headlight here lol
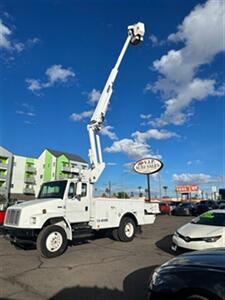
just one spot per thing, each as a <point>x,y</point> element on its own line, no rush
<point>212,239</point>
<point>33,220</point>
<point>155,278</point>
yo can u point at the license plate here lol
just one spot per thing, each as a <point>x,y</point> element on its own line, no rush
<point>174,247</point>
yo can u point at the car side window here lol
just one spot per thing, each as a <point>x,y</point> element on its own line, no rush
<point>84,190</point>
<point>72,190</point>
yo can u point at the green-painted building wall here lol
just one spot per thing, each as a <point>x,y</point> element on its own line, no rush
<point>62,161</point>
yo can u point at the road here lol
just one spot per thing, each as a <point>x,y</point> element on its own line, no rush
<point>97,269</point>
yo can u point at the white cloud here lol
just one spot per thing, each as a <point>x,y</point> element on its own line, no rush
<point>153,134</point>
<point>133,149</point>
<point>93,96</point>
<point>107,130</point>
<point>111,164</point>
<point>33,85</point>
<point>145,117</point>
<point>155,41</point>
<point>203,34</point>
<point>55,74</point>
<point>7,42</point>
<point>27,110</point>
<point>194,162</point>
<point>5,33</point>
<point>83,115</point>
<point>25,113</point>
<point>137,147</point>
<point>187,178</point>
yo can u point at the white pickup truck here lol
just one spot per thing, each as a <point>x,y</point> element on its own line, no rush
<point>65,210</point>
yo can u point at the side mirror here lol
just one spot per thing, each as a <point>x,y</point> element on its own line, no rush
<point>79,189</point>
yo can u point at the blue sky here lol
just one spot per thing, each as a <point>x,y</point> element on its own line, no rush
<point>168,98</point>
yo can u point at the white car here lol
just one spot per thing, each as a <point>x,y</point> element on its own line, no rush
<point>204,232</point>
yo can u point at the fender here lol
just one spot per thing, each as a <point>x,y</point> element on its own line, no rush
<point>62,222</point>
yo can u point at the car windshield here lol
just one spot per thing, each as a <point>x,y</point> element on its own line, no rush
<point>53,189</point>
<point>210,218</point>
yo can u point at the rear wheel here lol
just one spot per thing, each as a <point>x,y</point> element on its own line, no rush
<point>127,229</point>
<point>52,241</point>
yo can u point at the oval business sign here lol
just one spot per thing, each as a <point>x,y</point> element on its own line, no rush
<point>148,166</point>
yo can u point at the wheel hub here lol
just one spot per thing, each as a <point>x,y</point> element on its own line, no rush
<point>54,241</point>
<point>129,230</point>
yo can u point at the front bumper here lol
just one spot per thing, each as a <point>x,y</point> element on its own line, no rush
<point>196,245</point>
<point>22,235</point>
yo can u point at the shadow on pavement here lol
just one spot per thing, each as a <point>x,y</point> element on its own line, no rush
<point>165,245</point>
<point>134,288</point>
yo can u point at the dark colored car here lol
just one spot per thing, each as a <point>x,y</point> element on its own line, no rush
<point>198,275</point>
<point>183,209</point>
<point>164,208</point>
<point>203,206</point>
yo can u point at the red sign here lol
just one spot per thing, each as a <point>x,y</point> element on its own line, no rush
<point>186,188</point>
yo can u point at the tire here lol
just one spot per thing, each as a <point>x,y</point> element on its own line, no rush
<point>127,229</point>
<point>52,241</point>
<point>115,234</point>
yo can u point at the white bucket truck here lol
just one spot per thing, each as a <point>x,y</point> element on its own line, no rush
<point>66,209</point>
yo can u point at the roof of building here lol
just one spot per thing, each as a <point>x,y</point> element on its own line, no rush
<point>70,156</point>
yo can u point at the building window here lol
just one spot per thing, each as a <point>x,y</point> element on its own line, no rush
<point>12,185</point>
<point>41,176</point>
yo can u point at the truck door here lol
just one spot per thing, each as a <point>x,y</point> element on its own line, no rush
<point>77,208</point>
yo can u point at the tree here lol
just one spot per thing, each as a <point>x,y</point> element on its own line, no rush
<point>122,195</point>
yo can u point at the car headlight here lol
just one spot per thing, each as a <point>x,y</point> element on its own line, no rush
<point>155,278</point>
<point>33,220</point>
<point>212,239</point>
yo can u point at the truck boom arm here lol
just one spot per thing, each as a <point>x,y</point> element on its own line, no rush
<point>135,36</point>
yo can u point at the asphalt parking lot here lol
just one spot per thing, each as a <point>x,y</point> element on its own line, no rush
<point>95,269</point>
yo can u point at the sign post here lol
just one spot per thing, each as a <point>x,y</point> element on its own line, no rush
<point>148,166</point>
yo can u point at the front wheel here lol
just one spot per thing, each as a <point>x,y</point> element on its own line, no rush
<point>52,241</point>
<point>127,229</point>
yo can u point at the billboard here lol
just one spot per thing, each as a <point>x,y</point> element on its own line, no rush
<point>187,188</point>
<point>148,166</point>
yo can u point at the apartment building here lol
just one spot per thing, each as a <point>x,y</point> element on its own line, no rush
<point>21,176</point>
<point>6,158</point>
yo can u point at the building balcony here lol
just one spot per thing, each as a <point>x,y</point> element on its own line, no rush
<point>29,191</point>
<point>70,170</point>
<point>3,165</point>
<point>29,180</point>
<point>2,177</point>
<point>30,170</point>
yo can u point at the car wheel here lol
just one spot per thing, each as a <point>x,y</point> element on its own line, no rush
<point>127,229</point>
<point>52,241</point>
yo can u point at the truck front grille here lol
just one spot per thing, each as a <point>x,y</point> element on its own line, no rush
<point>12,217</point>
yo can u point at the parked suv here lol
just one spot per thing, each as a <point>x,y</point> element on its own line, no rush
<point>203,206</point>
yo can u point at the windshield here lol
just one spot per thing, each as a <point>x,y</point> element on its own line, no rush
<point>210,218</point>
<point>53,189</point>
